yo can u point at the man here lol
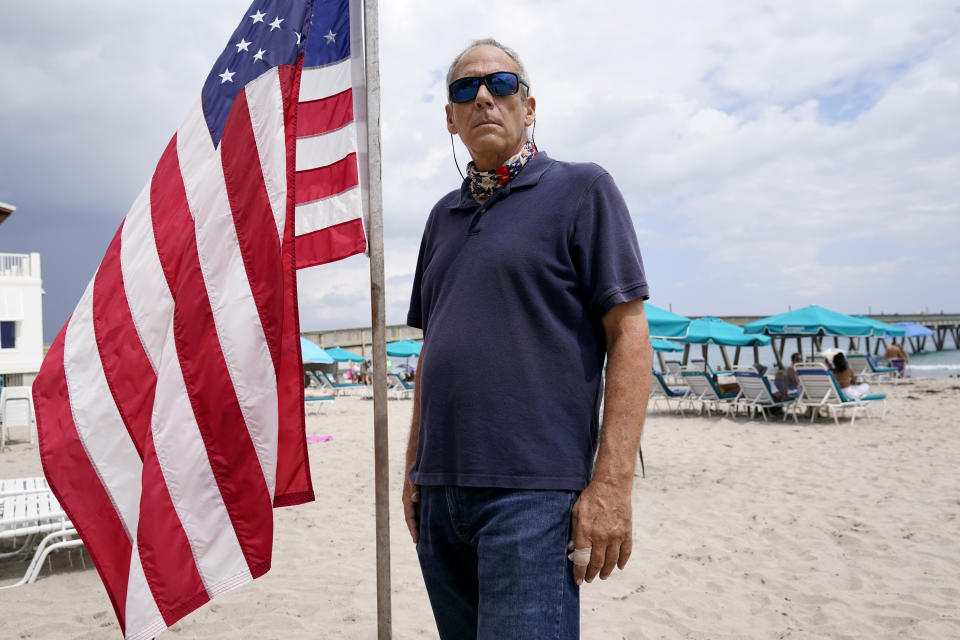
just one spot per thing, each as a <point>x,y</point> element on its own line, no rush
<point>896,356</point>
<point>528,275</point>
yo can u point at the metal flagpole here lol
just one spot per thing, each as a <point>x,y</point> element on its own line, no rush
<point>375,239</point>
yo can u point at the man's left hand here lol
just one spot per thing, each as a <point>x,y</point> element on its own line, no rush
<point>601,522</point>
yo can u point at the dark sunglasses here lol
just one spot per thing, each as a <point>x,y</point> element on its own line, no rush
<point>500,83</point>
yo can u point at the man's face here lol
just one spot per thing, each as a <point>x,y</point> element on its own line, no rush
<point>492,127</point>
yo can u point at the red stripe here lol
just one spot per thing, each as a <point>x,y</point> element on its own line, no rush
<point>126,367</point>
<point>253,220</point>
<point>327,181</point>
<point>327,114</point>
<point>330,244</point>
<point>164,549</point>
<point>231,453</point>
<point>165,552</point>
<point>75,482</point>
<point>294,485</point>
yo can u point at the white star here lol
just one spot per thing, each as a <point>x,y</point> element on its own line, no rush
<point>298,37</point>
<point>257,17</point>
<point>226,76</point>
<point>259,55</point>
<point>243,45</point>
<point>331,37</point>
<point>276,23</point>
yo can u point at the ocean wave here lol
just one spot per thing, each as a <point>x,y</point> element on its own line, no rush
<point>930,367</point>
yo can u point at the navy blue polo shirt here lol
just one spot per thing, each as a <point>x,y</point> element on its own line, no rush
<point>510,296</point>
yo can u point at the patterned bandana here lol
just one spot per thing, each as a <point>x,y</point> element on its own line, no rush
<point>484,183</point>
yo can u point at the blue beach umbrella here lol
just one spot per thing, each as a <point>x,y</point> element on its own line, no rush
<point>810,321</point>
<point>404,349</point>
<point>913,330</point>
<point>665,324</point>
<point>711,330</point>
<point>310,352</point>
<point>882,328</point>
<point>659,344</point>
<point>342,355</point>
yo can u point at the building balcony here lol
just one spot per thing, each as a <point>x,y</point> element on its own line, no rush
<point>20,265</point>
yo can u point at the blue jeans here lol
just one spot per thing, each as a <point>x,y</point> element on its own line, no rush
<point>495,564</point>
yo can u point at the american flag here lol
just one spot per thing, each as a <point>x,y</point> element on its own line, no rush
<point>170,407</point>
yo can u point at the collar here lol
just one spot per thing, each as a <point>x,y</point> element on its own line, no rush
<point>530,176</point>
<point>483,184</point>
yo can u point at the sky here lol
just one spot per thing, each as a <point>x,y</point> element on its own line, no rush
<point>772,154</point>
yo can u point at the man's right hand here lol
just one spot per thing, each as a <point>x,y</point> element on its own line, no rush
<point>411,512</point>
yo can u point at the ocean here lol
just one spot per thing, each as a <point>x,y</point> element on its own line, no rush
<point>925,364</point>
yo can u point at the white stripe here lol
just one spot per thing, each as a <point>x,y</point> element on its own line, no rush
<point>326,148</point>
<point>99,426</point>
<point>265,104</point>
<point>235,315</point>
<point>108,446</point>
<point>143,618</point>
<point>320,214</point>
<point>317,83</point>
<point>183,460</point>
<point>148,295</point>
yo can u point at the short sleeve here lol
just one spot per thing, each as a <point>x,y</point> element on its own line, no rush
<point>415,312</point>
<point>605,250</point>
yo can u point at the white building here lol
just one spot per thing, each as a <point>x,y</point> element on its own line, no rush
<point>21,314</point>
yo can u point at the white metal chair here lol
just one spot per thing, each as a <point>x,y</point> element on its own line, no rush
<point>27,509</point>
<point>16,410</point>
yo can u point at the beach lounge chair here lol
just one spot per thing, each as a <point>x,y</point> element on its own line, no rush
<point>756,394</point>
<point>673,372</point>
<point>398,387</point>
<point>705,391</point>
<point>333,387</point>
<point>820,389</point>
<point>27,509</point>
<point>863,367</point>
<point>660,391</point>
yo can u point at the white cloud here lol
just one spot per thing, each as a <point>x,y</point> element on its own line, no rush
<point>771,153</point>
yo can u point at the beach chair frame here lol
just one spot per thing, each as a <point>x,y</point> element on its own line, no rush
<point>757,396</point>
<point>28,508</point>
<point>863,367</point>
<point>660,391</point>
<point>821,390</point>
<point>705,391</point>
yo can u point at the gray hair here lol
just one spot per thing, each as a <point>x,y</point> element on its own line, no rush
<point>507,50</point>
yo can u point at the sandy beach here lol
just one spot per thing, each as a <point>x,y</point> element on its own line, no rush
<point>742,530</point>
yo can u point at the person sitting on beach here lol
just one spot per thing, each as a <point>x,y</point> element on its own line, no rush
<point>793,381</point>
<point>847,380</point>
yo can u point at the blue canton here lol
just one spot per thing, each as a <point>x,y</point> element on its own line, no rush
<point>274,33</point>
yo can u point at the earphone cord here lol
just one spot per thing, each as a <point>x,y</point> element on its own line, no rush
<point>453,147</point>
<point>455,162</point>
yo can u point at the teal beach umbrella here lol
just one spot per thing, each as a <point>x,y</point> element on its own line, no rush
<point>882,328</point>
<point>665,324</point>
<point>342,355</point>
<point>710,330</point>
<point>810,321</point>
<point>659,344</point>
<point>403,349</point>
